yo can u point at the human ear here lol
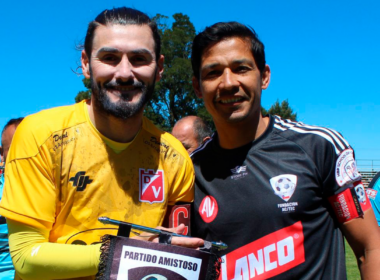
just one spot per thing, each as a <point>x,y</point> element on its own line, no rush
<point>85,64</point>
<point>265,77</point>
<point>196,87</point>
<point>160,68</point>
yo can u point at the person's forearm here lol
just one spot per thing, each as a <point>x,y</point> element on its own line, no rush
<point>363,235</point>
<point>369,265</point>
<point>36,258</point>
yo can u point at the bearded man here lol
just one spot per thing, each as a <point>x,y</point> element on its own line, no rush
<point>100,157</point>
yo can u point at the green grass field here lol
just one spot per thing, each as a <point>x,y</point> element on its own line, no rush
<point>352,267</point>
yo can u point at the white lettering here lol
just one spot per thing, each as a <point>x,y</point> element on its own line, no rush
<point>208,207</point>
<point>256,264</point>
<point>344,206</point>
<point>268,264</point>
<point>285,250</point>
<point>241,269</point>
<point>156,192</point>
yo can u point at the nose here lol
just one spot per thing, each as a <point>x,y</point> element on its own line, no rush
<point>228,80</point>
<point>124,70</point>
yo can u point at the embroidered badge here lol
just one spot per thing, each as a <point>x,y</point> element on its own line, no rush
<point>151,185</point>
<point>284,185</point>
<point>345,170</point>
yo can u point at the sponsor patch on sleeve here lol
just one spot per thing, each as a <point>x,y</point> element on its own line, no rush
<point>362,196</point>
<point>345,169</point>
<point>346,205</point>
<point>371,193</point>
<point>180,214</point>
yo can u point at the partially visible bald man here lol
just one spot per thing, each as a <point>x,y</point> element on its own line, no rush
<point>192,131</point>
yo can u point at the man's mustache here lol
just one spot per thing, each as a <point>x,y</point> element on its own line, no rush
<point>112,84</point>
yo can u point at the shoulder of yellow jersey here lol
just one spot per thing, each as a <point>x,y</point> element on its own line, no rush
<point>166,138</point>
<point>35,129</point>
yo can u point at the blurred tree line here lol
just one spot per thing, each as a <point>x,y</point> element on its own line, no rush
<point>173,97</point>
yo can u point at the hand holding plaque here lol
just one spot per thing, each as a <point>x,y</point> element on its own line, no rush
<point>130,259</point>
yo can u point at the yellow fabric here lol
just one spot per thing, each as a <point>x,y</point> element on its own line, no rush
<point>35,258</point>
<point>61,176</point>
<point>117,147</point>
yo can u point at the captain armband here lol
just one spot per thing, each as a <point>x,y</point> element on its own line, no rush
<point>180,214</point>
<point>350,203</point>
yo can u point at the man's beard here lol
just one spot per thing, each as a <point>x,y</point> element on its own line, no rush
<point>123,108</point>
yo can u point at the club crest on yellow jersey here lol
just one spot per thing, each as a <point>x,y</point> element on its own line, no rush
<point>151,185</point>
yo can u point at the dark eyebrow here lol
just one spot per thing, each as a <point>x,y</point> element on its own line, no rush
<point>142,51</point>
<point>236,61</point>
<point>209,66</point>
<point>108,50</point>
<point>243,61</point>
<point>115,50</point>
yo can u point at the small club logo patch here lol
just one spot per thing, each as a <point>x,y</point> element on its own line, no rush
<point>151,185</point>
<point>284,185</point>
<point>362,196</point>
<point>360,192</point>
<point>345,170</point>
<point>208,209</point>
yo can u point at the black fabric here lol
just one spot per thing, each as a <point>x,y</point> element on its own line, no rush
<point>165,237</point>
<point>124,230</point>
<point>106,253</point>
<point>248,208</point>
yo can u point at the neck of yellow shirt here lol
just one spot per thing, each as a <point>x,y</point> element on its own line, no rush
<point>116,146</point>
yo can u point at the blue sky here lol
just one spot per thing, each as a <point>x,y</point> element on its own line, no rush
<point>324,56</point>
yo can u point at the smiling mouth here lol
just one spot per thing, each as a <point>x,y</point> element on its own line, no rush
<point>124,88</point>
<point>124,91</point>
<point>231,100</point>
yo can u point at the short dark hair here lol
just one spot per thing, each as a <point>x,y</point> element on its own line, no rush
<point>201,130</point>
<point>222,31</point>
<point>121,16</point>
<point>15,122</point>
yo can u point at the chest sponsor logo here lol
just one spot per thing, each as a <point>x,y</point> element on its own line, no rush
<point>345,169</point>
<point>266,257</point>
<point>284,185</point>
<point>208,209</point>
<point>155,143</point>
<point>239,172</point>
<point>371,193</point>
<point>80,181</point>
<point>151,185</point>
<point>61,140</point>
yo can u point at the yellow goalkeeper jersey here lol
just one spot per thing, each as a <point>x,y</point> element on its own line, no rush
<point>62,176</point>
